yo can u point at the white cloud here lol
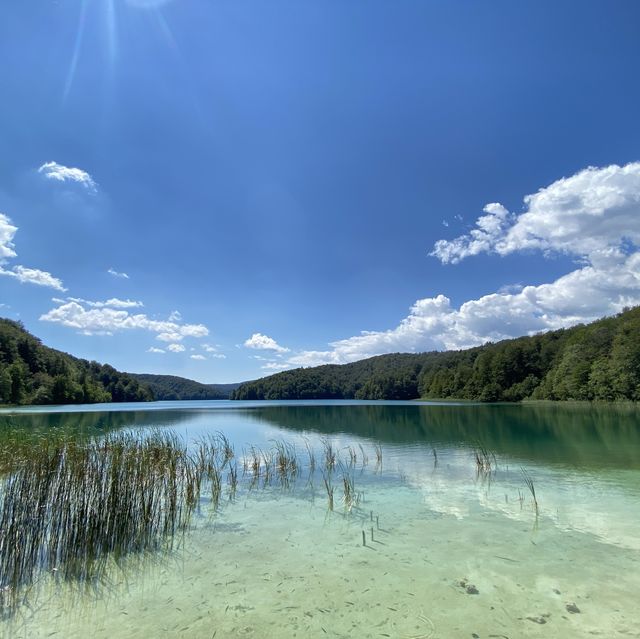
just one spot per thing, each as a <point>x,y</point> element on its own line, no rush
<point>93,320</point>
<point>23,274</point>
<point>7,232</point>
<point>61,173</point>
<point>114,302</point>
<point>593,215</point>
<point>193,330</point>
<point>119,274</point>
<point>219,356</point>
<point>153,349</point>
<point>26,275</point>
<point>176,348</point>
<point>209,348</point>
<point>260,341</point>
<point>587,214</point>
<point>169,337</point>
<point>175,316</point>
<point>275,366</point>
<point>198,357</point>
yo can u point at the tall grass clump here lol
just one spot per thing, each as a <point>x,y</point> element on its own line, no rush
<point>330,455</point>
<point>485,461</point>
<point>68,508</point>
<point>532,489</point>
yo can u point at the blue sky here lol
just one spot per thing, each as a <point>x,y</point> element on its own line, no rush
<point>224,189</point>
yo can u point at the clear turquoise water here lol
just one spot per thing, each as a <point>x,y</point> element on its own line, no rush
<point>277,563</point>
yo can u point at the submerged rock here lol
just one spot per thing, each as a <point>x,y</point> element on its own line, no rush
<point>572,608</point>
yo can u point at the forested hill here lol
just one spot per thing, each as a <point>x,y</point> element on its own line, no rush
<point>597,361</point>
<point>31,373</point>
<point>171,387</point>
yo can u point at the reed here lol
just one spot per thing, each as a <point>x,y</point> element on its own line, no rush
<point>485,460</point>
<point>226,449</point>
<point>378,449</point>
<point>532,489</point>
<point>232,479</point>
<point>329,488</point>
<point>330,456</point>
<point>69,508</point>
<point>285,462</point>
<point>363,454</point>
<point>312,456</point>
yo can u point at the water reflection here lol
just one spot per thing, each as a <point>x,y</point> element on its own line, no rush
<point>578,435</point>
<point>601,436</point>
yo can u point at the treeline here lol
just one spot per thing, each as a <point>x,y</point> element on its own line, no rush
<point>386,376</point>
<point>597,361</point>
<point>171,387</point>
<point>31,373</point>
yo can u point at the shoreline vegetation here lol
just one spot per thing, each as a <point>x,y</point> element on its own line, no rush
<point>34,374</point>
<point>597,362</point>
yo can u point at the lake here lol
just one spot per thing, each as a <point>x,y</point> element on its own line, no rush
<point>463,520</point>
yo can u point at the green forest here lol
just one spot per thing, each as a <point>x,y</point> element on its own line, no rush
<point>598,361</point>
<point>31,373</point>
<point>171,387</point>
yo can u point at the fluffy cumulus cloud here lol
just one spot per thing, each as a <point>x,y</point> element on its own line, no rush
<point>61,173</point>
<point>593,215</point>
<point>97,318</point>
<point>263,342</point>
<point>22,274</point>
<point>153,349</point>
<point>176,348</point>
<point>198,357</point>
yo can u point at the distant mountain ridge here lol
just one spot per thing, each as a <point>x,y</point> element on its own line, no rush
<point>597,361</point>
<point>172,387</point>
<point>31,373</point>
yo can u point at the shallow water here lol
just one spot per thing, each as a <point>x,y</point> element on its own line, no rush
<point>454,552</point>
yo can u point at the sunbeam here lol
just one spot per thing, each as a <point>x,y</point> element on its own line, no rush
<point>112,32</point>
<point>76,50</point>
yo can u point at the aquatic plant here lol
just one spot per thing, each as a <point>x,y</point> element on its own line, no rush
<point>532,489</point>
<point>312,456</point>
<point>329,488</point>
<point>378,449</point>
<point>330,456</point>
<point>485,460</point>
<point>69,507</point>
<point>285,460</point>
<point>365,458</point>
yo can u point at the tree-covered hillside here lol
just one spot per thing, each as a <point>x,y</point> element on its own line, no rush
<point>597,361</point>
<point>31,373</point>
<point>171,387</point>
<point>386,376</point>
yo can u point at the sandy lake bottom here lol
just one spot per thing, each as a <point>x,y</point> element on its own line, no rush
<point>278,564</point>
